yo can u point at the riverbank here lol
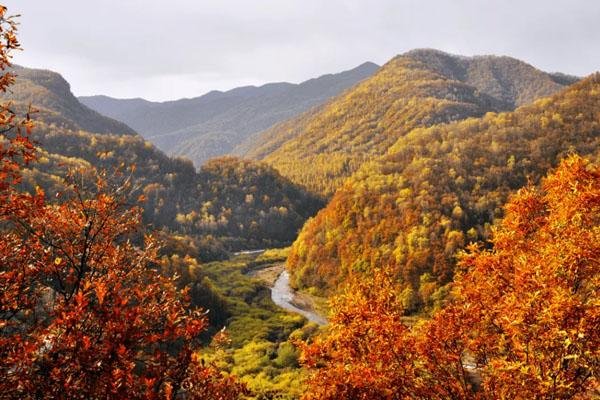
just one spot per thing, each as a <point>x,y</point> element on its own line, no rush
<point>285,297</point>
<point>267,274</point>
<point>276,277</point>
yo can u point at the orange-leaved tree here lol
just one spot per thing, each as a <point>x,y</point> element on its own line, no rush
<point>367,351</point>
<point>531,306</point>
<point>83,311</point>
<point>523,321</point>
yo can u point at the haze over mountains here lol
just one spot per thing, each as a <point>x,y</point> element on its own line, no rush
<point>213,124</point>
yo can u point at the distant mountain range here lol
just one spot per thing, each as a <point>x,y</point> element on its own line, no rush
<point>317,133</point>
<point>213,124</point>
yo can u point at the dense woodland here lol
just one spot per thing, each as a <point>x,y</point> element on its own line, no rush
<point>438,189</point>
<point>521,322</point>
<point>459,246</point>
<point>240,203</point>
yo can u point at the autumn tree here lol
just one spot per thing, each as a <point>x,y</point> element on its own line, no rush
<point>367,351</point>
<point>522,322</point>
<point>83,311</point>
<point>531,303</point>
<point>439,188</point>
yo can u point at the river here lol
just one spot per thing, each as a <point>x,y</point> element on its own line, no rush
<point>283,295</point>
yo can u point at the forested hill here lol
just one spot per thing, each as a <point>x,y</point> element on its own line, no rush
<point>322,147</point>
<point>208,203</point>
<point>51,95</point>
<point>213,124</point>
<point>439,188</point>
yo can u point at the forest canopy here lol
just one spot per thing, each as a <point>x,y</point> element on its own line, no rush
<point>420,88</point>
<point>211,202</point>
<point>438,189</point>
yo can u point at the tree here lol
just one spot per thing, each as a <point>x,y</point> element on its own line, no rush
<point>532,302</point>
<point>522,322</point>
<point>83,311</point>
<point>367,352</point>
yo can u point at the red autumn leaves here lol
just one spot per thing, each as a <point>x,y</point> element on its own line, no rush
<point>522,322</point>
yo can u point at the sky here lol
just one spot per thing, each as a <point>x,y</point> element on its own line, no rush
<point>163,50</point>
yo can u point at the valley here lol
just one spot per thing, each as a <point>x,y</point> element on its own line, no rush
<point>417,179</point>
<point>260,330</point>
<point>377,210</point>
<point>423,229</point>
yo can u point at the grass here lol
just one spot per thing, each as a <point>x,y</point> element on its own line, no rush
<point>261,352</point>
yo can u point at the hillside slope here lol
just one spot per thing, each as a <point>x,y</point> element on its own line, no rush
<point>438,189</point>
<point>208,203</point>
<point>51,94</point>
<point>213,124</point>
<point>420,88</point>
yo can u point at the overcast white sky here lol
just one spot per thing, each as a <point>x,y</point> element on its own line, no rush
<point>163,50</point>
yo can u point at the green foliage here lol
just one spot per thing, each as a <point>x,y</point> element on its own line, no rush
<point>260,351</point>
<point>273,255</point>
<point>287,355</point>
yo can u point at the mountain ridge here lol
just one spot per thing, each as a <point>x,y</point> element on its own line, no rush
<point>437,189</point>
<point>52,94</point>
<point>210,204</point>
<point>212,124</point>
<point>423,87</point>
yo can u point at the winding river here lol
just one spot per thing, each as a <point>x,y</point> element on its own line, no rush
<point>283,295</point>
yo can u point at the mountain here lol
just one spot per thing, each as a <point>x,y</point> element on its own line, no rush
<point>439,188</point>
<point>509,81</point>
<point>51,95</point>
<point>213,124</point>
<point>231,203</point>
<point>421,88</point>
